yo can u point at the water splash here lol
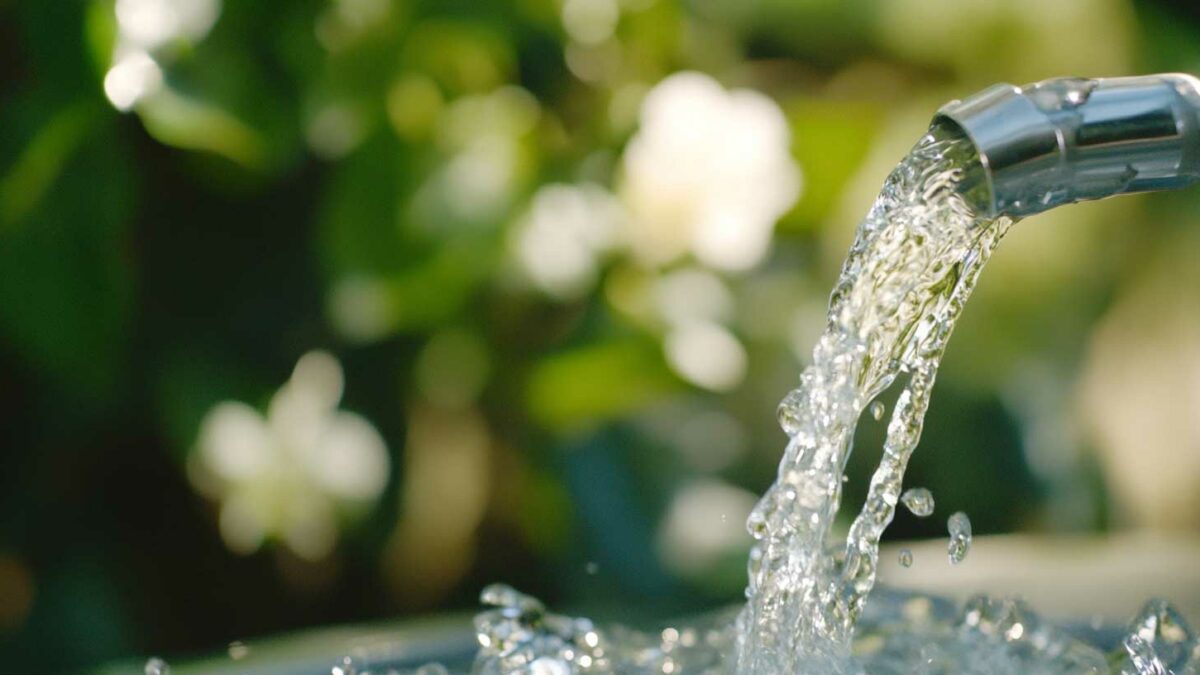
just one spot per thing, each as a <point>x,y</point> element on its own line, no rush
<point>897,634</point>
<point>959,526</point>
<point>918,501</point>
<point>913,264</point>
<point>519,636</point>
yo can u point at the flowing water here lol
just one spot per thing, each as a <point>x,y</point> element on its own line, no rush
<point>914,262</point>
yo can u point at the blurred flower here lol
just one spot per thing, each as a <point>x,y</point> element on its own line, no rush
<point>708,173</point>
<point>362,309</point>
<point>289,474</point>
<point>131,78</point>
<point>561,239</point>
<point>149,24</point>
<point>692,294</point>
<point>705,524</point>
<point>414,103</point>
<point>694,303</point>
<point>590,22</point>
<point>706,354</point>
<point>482,136</point>
<point>144,26</point>
<point>346,20</point>
<point>335,129</point>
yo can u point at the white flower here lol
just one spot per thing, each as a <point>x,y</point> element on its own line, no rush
<point>482,136</point>
<point>708,173</point>
<point>143,28</point>
<point>560,240</point>
<point>590,22</point>
<point>695,304</point>
<point>149,24</point>
<point>288,475</point>
<point>706,354</point>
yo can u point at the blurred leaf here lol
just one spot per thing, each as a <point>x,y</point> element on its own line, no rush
<point>830,140</point>
<point>66,296</point>
<point>360,233</point>
<point>465,57</point>
<point>42,161</point>
<point>545,514</point>
<point>598,382</point>
<point>193,124</point>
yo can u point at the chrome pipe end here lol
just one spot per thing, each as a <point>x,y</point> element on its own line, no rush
<point>1066,140</point>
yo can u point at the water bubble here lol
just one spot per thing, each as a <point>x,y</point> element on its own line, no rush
<point>919,501</point>
<point>906,558</point>
<point>591,568</point>
<point>959,526</point>
<point>156,666</point>
<point>877,409</point>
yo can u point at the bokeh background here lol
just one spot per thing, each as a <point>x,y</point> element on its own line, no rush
<point>328,311</point>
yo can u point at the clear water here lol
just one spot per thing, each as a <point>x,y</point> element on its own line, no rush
<point>914,262</point>
<point>918,501</point>
<point>959,526</point>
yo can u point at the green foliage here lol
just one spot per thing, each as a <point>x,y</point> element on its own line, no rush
<point>356,176</point>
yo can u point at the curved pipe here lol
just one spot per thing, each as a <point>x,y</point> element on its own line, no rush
<point>1069,139</point>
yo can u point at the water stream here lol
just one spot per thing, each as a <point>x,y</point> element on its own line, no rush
<point>914,262</point>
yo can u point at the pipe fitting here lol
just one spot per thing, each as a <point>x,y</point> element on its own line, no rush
<point>1066,140</point>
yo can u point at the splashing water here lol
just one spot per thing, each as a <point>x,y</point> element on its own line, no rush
<point>959,526</point>
<point>918,501</point>
<point>914,262</point>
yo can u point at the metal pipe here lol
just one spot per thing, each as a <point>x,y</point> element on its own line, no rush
<point>1065,140</point>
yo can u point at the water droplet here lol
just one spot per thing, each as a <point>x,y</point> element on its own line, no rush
<point>919,501</point>
<point>906,558</point>
<point>156,666</point>
<point>789,412</point>
<point>960,536</point>
<point>877,409</point>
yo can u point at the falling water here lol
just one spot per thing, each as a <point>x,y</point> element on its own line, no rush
<point>914,262</point>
